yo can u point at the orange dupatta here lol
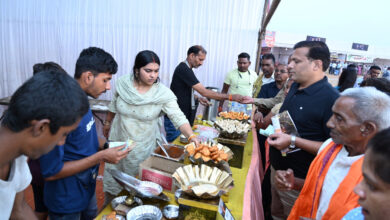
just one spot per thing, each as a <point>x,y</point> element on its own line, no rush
<point>343,200</point>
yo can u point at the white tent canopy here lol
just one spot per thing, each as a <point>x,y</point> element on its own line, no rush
<point>54,30</point>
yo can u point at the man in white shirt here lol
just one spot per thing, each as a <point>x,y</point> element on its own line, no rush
<point>40,115</point>
<point>327,192</point>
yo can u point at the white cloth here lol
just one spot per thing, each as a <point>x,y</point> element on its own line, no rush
<point>45,30</point>
<point>268,80</point>
<point>137,117</point>
<point>19,179</point>
<point>336,174</point>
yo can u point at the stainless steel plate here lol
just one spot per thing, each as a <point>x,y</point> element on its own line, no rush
<point>144,212</point>
<point>144,189</point>
<point>171,211</point>
<point>149,188</point>
<point>118,200</point>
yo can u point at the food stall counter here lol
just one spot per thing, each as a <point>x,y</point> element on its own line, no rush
<point>236,194</point>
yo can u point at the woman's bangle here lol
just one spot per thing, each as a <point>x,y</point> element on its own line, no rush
<point>191,136</point>
<point>230,97</point>
<point>106,123</point>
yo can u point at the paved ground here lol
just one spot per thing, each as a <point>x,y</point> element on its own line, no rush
<point>333,79</point>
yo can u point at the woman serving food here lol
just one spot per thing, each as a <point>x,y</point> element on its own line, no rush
<point>134,112</point>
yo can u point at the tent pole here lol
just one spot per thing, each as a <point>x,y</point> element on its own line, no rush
<point>264,22</point>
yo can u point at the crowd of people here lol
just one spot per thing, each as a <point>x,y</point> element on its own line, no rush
<point>323,165</point>
<point>336,165</point>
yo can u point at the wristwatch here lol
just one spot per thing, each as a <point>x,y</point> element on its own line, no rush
<point>292,145</point>
<point>105,146</point>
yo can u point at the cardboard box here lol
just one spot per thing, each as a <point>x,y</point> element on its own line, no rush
<point>159,170</point>
<point>190,208</point>
<point>237,146</point>
<point>189,212</point>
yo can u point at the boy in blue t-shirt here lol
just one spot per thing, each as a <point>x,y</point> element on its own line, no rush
<point>70,170</point>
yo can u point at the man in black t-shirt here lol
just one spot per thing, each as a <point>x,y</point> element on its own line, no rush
<point>184,82</point>
<point>309,103</point>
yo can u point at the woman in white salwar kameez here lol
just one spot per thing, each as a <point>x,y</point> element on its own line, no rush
<point>134,112</point>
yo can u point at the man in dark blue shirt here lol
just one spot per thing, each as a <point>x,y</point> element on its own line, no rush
<point>270,90</point>
<point>309,103</point>
<point>70,170</point>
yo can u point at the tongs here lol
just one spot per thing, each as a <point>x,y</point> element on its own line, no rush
<point>140,187</point>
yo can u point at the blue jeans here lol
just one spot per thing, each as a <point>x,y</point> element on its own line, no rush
<point>88,214</point>
<point>170,130</point>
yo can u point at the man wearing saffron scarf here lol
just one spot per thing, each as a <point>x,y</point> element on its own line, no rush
<point>327,192</point>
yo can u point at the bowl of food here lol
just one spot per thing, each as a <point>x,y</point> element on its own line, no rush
<point>202,181</point>
<point>211,154</point>
<point>232,129</point>
<point>239,116</point>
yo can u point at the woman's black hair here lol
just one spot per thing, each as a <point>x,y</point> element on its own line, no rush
<point>380,154</point>
<point>381,84</point>
<point>347,79</point>
<point>49,95</point>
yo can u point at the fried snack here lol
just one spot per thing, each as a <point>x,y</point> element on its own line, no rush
<point>223,156</point>
<point>213,149</point>
<point>215,156</point>
<point>112,216</point>
<point>191,150</point>
<point>199,148</point>
<point>214,153</point>
<point>197,155</point>
<point>205,158</point>
<point>207,152</point>
<point>234,115</point>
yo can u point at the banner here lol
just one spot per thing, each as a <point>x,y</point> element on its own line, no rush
<point>269,39</point>
<point>359,59</point>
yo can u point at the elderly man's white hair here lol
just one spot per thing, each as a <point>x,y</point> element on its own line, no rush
<point>370,105</point>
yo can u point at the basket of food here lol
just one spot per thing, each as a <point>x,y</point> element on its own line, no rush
<point>211,154</point>
<point>202,181</point>
<point>239,116</point>
<point>232,129</point>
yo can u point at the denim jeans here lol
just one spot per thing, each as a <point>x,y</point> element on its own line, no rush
<point>170,130</point>
<point>88,214</point>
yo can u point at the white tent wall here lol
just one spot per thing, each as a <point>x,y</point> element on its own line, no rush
<point>54,30</point>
